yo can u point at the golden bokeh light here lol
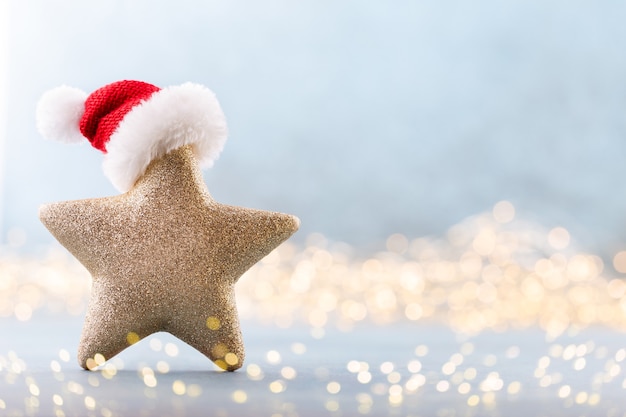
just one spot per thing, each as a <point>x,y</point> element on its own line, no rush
<point>239,396</point>
<point>172,350</point>
<point>503,212</point>
<point>132,338</point>
<point>288,372</point>
<point>273,357</point>
<point>231,359</point>
<point>491,272</point>
<point>277,386</point>
<point>179,387</point>
<point>333,387</point>
<point>213,323</point>
<point>619,262</point>
<point>254,372</point>
<point>194,390</point>
<point>559,238</point>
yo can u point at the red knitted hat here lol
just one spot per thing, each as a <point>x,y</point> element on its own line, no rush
<point>134,122</point>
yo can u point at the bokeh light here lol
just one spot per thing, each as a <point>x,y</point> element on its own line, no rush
<point>491,273</point>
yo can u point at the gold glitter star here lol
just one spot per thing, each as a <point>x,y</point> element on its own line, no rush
<point>165,257</point>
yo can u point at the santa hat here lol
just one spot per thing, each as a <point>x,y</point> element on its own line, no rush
<point>134,122</point>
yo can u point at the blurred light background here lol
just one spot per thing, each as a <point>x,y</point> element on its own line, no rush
<point>452,162</point>
<point>364,118</point>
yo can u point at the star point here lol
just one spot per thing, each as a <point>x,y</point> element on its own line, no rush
<point>165,256</point>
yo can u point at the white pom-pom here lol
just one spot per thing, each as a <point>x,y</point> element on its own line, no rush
<point>59,112</point>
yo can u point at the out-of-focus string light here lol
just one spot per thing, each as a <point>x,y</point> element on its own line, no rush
<point>489,272</point>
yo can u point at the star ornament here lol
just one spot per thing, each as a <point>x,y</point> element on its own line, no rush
<point>164,256</point>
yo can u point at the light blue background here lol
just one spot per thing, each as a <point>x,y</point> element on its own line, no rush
<point>364,118</point>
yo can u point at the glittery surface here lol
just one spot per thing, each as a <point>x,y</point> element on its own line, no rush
<point>165,257</point>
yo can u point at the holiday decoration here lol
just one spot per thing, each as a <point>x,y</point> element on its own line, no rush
<point>164,256</point>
